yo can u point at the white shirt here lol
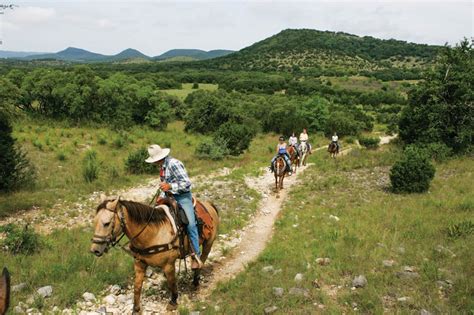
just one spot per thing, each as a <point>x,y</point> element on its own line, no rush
<point>293,140</point>
<point>335,138</point>
<point>303,136</point>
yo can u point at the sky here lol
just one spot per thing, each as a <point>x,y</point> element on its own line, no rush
<point>153,27</point>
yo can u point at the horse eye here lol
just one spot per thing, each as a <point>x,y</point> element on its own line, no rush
<point>106,224</point>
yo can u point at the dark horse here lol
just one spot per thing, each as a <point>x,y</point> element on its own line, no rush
<point>4,291</point>
<point>153,237</point>
<point>333,149</point>
<point>294,158</point>
<point>279,167</point>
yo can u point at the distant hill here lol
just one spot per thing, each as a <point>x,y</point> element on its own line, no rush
<point>18,54</point>
<point>129,53</point>
<point>71,54</point>
<point>305,49</point>
<point>195,54</point>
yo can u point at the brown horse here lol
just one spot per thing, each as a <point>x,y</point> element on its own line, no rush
<point>279,168</point>
<point>4,291</point>
<point>294,158</point>
<point>333,150</point>
<point>153,239</point>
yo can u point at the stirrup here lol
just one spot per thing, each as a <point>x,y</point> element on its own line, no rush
<point>196,260</point>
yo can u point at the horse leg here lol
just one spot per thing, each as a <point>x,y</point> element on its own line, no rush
<point>140,268</point>
<point>170,274</point>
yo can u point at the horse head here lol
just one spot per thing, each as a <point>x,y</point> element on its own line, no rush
<point>107,226</point>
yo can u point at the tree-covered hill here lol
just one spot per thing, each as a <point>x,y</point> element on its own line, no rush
<point>324,52</point>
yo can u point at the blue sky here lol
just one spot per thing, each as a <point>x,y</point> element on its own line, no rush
<point>153,27</point>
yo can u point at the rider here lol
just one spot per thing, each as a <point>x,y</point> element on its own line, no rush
<point>281,150</point>
<point>293,141</point>
<point>304,139</point>
<point>175,181</point>
<point>335,139</point>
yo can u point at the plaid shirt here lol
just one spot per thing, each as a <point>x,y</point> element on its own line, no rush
<point>174,173</point>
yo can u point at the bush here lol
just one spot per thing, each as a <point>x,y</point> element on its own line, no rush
<point>20,240</point>
<point>195,85</point>
<point>236,136</point>
<point>369,142</point>
<point>61,156</point>
<point>160,115</point>
<point>91,166</point>
<point>215,149</point>
<point>437,151</point>
<point>412,173</point>
<point>15,169</point>
<point>135,163</point>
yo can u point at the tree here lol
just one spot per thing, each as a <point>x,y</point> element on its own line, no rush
<point>160,114</point>
<point>15,169</point>
<point>441,108</point>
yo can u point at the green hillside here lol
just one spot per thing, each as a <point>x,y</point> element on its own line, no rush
<point>331,53</point>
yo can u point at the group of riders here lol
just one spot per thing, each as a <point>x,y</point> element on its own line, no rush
<point>282,148</point>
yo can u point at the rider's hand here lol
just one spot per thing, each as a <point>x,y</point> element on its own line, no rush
<point>165,186</point>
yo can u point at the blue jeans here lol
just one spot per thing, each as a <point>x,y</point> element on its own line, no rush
<point>185,200</point>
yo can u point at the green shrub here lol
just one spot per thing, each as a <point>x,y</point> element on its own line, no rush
<point>61,156</point>
<point>195,85</point>
<point>369,142</point>
<point>91,166</point>
<point>437,151</point>
<point>102,140</point>
<point>413,172</point>
<point>236,136</point>
<point>119,142</point>
<point>15,169</point>
<point>135,163</point>
<point>350,140</point>
<point>215,149</point>
<point>461,229</point>
<point>20,240</point>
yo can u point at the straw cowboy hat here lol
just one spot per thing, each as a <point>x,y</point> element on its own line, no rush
<point>156,153</point>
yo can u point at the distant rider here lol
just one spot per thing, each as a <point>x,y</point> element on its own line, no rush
<point>281,150</point>
<point>304,140</point>
<point>175,181</point>
<point>335,140</point>
<point>293,141</point>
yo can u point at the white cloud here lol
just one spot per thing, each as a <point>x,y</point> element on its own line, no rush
<point>30,15</point>
<point>105,23</point>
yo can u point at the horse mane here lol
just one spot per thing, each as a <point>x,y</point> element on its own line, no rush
<point>140,213</point>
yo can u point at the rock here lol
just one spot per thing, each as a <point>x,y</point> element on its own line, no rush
<point>115,289</point>
<point>359,281</point>
<point>194,313</point>
<point>316,284</point>
<point>424,312</point>
<point>323,261</point>
<point>102,310</point>
<point>45,292</point>
<point>278,292</point>
<point>407,275</point>
<point>388,263</point>
<point>270,309</point>
<point>19,287</point>
<point>404,299</point>
<point>217,308</point>
<point>268,269</point>
<point>122,298</point>
<point>333,217</point>
<point>109,299</point>
<point>88,297</point>
<point>299,292</point>
<point>299,277</point>
<point>401,250</point>
<point>149,272</point>
<point>18,310</point>
<point>409,268</point>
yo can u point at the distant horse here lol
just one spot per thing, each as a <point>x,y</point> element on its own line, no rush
<point>279,167</point>
<point>333,149</point>
<point>294,158</point>
<point>153,237</point>
<point>304,152</point>
<point>4,291</point>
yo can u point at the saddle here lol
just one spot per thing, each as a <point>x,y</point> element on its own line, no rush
<point>203,218</point>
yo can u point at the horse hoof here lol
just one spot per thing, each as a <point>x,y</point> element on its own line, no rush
<point>172,307</point>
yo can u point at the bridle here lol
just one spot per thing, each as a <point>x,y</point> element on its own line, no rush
<point>111,240</point>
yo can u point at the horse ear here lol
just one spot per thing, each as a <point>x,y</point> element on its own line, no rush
<point>103,198</point>
<point>115,203</point>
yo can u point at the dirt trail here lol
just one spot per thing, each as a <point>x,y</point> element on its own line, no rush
<point>257,234</point>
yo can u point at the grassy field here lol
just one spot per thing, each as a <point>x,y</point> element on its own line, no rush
<point>187,88</point>
<point>428,238</point>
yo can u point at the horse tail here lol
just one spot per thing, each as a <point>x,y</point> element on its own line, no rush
<point>4,291</point>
